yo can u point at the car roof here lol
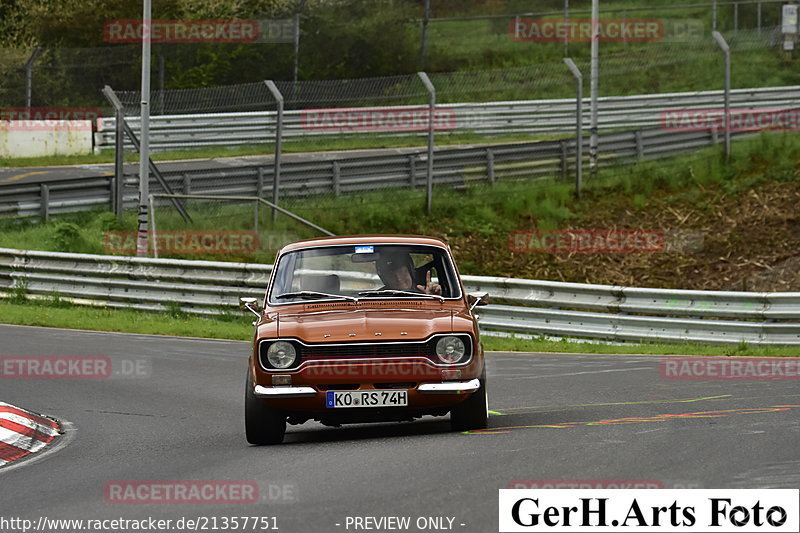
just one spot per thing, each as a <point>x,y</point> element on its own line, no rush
<point>364,239</point>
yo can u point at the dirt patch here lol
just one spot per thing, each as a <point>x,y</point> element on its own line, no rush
<point>749,240</point>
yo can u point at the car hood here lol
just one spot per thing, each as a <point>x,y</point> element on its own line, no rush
<point>354,325</point>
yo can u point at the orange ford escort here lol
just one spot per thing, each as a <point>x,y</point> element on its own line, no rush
<point>364,329</point>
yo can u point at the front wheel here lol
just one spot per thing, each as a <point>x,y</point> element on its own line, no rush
<point>262,424</point>
<point>472,413</point>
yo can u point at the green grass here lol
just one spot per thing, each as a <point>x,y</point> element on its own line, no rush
<point>56,313</point>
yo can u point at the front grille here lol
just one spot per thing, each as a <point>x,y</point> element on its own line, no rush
<point>366,350</point>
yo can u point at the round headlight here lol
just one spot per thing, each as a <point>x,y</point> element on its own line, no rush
<point>450,349</point>
<point>281,354</point>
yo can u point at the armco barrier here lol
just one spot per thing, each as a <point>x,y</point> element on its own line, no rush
<point>342,173</point>
<point>533,307</point>
<point>550,116</point>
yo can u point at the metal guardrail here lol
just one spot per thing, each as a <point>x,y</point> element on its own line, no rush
<point>533,307</point>
<point>342,173</point>
<point>550,116</point>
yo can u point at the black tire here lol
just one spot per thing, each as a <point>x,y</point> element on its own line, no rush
<point>262,424</point>
<point>472,413</point>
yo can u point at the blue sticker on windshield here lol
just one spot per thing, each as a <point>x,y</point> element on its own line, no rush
<point>365,249</point>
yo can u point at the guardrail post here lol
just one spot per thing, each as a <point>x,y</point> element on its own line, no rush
<point>336,177</point>
<point>276,178</point>
<point>490,165</point>
<point>727,50</point>
<point>714,136</point>
<point>44,202</point>
<point>187,183</point>
<point>578,124</point>
<point>639,144</point>
<point>259,182</point>
<point>431,110</point>
<point>564,165</point>
<point>412,170</point>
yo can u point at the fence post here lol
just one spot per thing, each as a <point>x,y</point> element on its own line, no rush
<point>259,182</point>
<point>736,16</point>
<point>490,165</point>
<point>276,178</point>
<point>594,78</point>
<point>639,144</point>
<point>432,108</point>
<point>119,150</point>
<point>423,47</point>
<point>727,50</point>
<point>29,76</point>
<point>336,176</point>
<point>714,16</point>
<point>578,124</point>
<point>44,203</point>
<point>758,16</point>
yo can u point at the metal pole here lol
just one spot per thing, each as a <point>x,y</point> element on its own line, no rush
<point>296,66</point>
<point>714,16</point>
<point>161,69</point>
<point>727,50</point>
<point>432,108</point>
<point>594,76</point>
<point>566,28</point>
<point>29,76</point>
<point>153,228</point>
<point>119,170</point>
<point>759,18</point>
<point>578,126</point>
<point>119,149</point>
<point>276,178</point>
<point>144,144</point>
<point>423,47</point>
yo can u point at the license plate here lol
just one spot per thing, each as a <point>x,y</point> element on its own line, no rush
<point>367,398</point>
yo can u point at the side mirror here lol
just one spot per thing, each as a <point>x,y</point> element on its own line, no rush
<point>477,298</point>
<point>251,304</point>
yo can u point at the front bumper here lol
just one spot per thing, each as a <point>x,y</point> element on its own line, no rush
<point>447,387</point>
<point>284,392</point>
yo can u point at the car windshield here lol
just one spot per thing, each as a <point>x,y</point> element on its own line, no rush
<point>366,271</point>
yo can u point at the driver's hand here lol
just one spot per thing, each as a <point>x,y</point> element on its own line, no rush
<point>430,287</point>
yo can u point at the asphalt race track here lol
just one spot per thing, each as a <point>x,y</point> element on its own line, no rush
<point>560,417</point>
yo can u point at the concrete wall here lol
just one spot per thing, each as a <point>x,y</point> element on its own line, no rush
<point>36,138</point>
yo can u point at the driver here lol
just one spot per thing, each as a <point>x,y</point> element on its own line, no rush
<point>395,270</point>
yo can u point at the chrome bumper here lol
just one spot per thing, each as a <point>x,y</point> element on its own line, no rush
<point>450,387</point>
<point>284,392</point>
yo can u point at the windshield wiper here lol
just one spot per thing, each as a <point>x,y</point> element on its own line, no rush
<point>313,295</point>
<point>392,292</point>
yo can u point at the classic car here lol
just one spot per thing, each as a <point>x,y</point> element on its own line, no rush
<point>364,329</point>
